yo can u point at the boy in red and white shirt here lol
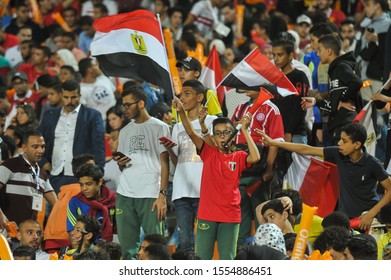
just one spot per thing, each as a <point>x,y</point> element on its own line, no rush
<point>219,207</point>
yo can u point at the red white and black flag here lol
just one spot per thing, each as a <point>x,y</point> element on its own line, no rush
<point>212,75</point>
<point>257,70</point>
<point>367,117</point>
<point>130,45</point>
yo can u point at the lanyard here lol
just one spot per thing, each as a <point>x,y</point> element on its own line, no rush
<point>35,172</point>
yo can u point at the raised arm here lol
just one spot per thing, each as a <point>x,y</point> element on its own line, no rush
<point>253,156</point>
<point>204,129</point>
<point>197,140</point>
<point>292,147</point>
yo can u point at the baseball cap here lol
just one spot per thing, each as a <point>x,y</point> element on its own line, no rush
<point>190,63</point>
<point>47,80</point>
<point>159,109</point>
<point>304,19</point>
<point>19,75</point>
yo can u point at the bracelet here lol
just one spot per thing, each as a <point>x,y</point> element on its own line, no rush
<point>204,134</point>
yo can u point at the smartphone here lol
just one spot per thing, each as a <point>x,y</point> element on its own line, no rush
<point>116,154</point>
<point>165,139</point>
<point>370,29</point>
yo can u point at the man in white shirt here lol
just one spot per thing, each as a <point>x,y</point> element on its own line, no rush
<point>142,189</point>
<point>97,90</point>
<point>13,54</point>
<point>69,131</point>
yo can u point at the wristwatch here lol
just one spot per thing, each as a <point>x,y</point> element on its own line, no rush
<point>163,192</point>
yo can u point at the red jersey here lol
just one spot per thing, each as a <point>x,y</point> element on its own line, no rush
<point>219,194</point>
<point>31,98</point>
<point>337,17</point>
<point>266,118</point>
<point>32,73</point>
<point>9,42</point>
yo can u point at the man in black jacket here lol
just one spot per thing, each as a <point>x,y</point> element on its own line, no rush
<point>344,91</point>
<point>372,48</point>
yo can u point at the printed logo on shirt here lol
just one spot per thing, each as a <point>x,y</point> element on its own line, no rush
<point>100,94</point>
<point>334,83</point>
<point>232,165</point>
<point>136,143</point>
<point>260,116</point>
<point>203,226</point>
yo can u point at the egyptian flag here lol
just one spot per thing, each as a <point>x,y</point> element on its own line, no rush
<point>212,75</point>
<point>130,45</point>
<point>257,70</point>
<point>366,117</point>
<point>316,180</point>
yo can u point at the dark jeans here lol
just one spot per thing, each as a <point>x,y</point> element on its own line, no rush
<point>186,212</point>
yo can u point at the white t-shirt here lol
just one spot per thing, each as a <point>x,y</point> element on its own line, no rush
<point>140,142</point>
<point>187,176</point>
<point>112,174</point>
<point>99,95</point>
<point>204,17</point>
<point>13,55</point>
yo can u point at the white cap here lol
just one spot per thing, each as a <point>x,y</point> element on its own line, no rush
<point>303,19</point>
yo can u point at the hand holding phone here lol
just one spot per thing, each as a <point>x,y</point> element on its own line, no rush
<point>165,139</point>
<point>118,154</point>
<point>370,29</point>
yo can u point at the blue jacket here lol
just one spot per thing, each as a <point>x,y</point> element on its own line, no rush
<point>89,133</point>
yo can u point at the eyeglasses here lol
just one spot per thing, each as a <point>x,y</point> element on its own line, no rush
<point>224,133</point>
<point>127,105</point>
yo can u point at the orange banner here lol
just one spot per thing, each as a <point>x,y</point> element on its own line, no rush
<point>5,250</point>
<point>37,16</point>
<point>304,231</point>
<point>198,54</point>
<point>60,20</point>
<point>176,81</point>
<point>3,8</point>
<point>239,23</point>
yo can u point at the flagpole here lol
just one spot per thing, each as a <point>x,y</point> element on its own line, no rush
<point>165,54</point>
<point>228,75</point>
<point>169,70</point>
<point>383,86</point>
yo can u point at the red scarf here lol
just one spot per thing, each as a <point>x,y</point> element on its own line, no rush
<point>103,204</point>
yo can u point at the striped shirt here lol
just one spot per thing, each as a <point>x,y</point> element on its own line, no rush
<point>17,187</point>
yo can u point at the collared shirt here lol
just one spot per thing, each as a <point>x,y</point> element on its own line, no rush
<point>357,181</point>
<point>63,143</point>
<point>20,186</point>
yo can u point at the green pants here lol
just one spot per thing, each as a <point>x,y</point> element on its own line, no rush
<point>131,214</point>
<point>226,235</point>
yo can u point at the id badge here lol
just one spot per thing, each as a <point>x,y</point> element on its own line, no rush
<point>37,201</point>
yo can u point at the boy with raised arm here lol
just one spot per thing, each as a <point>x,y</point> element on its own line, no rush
<point>358,172</point>
<point>219,207</point>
